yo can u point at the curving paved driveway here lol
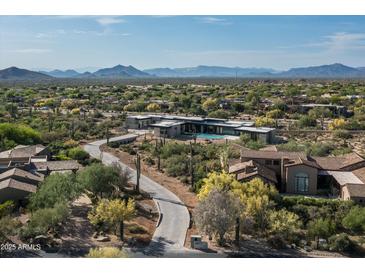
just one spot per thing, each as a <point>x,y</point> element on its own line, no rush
<point>169,236</point>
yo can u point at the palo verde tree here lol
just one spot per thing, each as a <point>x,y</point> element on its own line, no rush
<point>113,213</point>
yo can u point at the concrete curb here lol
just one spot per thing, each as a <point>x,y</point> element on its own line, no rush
<point>160,215</point>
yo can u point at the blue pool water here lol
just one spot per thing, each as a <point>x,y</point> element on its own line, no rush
<point>209,136</point>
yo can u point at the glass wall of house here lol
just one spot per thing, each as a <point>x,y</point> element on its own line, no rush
<point>301,182</point>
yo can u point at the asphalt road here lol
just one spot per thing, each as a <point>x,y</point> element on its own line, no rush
<point>169,237</point>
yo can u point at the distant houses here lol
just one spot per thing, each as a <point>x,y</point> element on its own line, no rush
<point>171,126</point>
<point>23,168</point>
<point>296,173</point>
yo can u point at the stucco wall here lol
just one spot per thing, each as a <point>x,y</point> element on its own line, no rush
<point>290,178</point>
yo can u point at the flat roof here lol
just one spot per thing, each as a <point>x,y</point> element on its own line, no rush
<point>166,124</point>
<point>201,120</point>
<point>256,129</point>
<point>321,105</point>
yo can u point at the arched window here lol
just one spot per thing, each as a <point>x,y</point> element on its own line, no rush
<point>301,182</point>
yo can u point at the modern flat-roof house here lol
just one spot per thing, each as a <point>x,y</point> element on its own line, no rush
<point>171,126</point>
<point>335,109</point>
<point>297,173</point>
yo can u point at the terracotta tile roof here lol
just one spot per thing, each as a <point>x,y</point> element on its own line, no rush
<point>22,151</point>
<point>17,172</point>
<point>300,161</point>
<point>12,183</point>
<point>239,166</point>
<point>360,173</point>
<point>58,165</point>
<point>250,169</point>
<point>338,162</point>
<point>277,155</point>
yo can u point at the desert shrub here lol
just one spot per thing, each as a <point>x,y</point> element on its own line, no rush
<point>277,241</point>
<point>106,252</point>
<point>176,165</point>
<point>8,227</point>
<point>355,219</point>
<point>149,161</point>
<point>291,145</point>
<point>342,134</point>
<point>321,228</point>
<point>320,149</point>
<point>219,113</point>
<point>6,208</point>
<point>146,146</point>
<point>127,148</point>
<point>56,188</point>
<point>341,151</point>
<point>340,243</point>
<point>78,154</point>
<point>42,220</point>
<point>173,149</point>
<point>307,121</point>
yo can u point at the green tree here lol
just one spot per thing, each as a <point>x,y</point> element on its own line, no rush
<point>218,181</point>
<point>78,153</point>
<point>320,113</point>
<point>56,188</point>
<point>101,181</point>
<point>321,228</point>
<point>283,223</point>
<point>355,219</point>
<point>264,122</point>
<point>153,107</point>
<point>216,214</point>
<point>306,121</point>
<point>114,213</point>
<point>210,104</point>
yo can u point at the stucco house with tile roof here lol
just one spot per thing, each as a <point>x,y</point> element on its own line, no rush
<point>16,184</point>
<point>23,168</point>
<point>297,173</point>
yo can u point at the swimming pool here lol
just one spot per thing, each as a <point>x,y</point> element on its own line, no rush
<point>209,136</point>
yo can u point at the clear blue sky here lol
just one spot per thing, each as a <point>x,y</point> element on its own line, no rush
<point>279,42</point>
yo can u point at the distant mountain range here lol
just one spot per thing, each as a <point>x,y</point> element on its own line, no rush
<point>14,73</point>
<point>325,71</point>
<point>70,73</point>
<point>209,71</point>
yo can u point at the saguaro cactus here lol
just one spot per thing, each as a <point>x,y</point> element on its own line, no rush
<point>107,135</point>
<point>138,168</point>
<point>157,152</point>
<point>191,166</point>
<point>237,240</point>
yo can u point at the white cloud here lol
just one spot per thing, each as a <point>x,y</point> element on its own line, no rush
<point>214,20</point>
<point>346,41</point>
<point>105,21</point>
<point>338,41</point>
